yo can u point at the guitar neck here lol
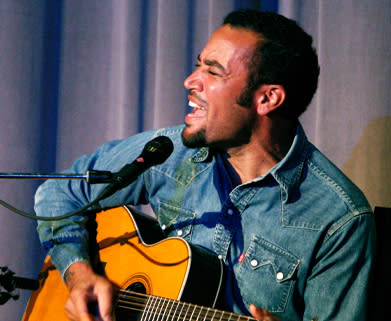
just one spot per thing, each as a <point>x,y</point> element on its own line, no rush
<point>152,307</point>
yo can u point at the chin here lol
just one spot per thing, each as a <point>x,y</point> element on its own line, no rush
<point>194,140</point>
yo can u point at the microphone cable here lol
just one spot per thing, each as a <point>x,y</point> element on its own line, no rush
<point>155,152</point>
<point>46,218</point>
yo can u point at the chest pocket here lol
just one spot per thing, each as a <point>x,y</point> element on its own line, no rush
<point>175,221</point>
<point>266,275</point>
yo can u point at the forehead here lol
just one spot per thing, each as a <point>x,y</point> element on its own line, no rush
<point>228,44</point>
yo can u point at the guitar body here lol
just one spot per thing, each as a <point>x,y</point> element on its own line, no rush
<point>170,268</point>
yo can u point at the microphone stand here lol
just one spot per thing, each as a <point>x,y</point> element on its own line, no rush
<point>8,281</point>
<point>91,176</point>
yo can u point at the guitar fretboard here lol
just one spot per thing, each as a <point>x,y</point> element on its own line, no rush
<point>158,309</point>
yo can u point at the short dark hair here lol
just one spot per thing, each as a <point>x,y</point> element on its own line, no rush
<point>284,56</point>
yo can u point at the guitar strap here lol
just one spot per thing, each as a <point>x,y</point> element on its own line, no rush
<point>93,246</point>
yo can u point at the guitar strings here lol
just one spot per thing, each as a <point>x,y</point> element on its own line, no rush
<point>177,310</point>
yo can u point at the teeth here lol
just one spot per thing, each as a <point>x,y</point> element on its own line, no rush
<point>194,105</point>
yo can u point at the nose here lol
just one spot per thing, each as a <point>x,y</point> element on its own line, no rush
<point>193,81</point>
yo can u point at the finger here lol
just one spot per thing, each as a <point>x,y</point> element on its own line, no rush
<point>105,305</point>
<point>261,314</point>
<point>72,313</point>
<point>77,306</point>
<point>85,317</point>
<point>256,312</point>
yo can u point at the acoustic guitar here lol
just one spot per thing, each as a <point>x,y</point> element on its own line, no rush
<point>159,279</point>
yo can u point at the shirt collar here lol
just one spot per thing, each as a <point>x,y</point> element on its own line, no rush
<point>287,172</point>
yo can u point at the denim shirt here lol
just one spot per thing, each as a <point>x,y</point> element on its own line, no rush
<point>297,241</point>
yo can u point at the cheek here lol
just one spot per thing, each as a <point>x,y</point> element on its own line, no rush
<point>220,94</point>
<point>211,88</point>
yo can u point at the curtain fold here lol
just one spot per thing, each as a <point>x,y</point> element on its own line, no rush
<point>78,73</point>
<point>21,39</point>
<point>350,117</point>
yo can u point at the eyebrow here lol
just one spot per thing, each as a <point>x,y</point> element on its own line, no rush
<point>212,63</point>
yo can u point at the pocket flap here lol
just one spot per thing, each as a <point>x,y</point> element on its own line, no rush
<point>174,218</point>
<point>262,252</point>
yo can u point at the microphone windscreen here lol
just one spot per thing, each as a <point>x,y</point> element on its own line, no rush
<point>157,150</point>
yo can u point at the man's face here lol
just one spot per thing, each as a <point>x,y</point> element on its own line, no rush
<point>214,87</point>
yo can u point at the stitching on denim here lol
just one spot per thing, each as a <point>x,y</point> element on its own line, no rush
<point>245,199</point>
<point>344,221</point>
<point>169,131</point>
<point>74,260</point>
<point>284,221</point>
<point>310,227</point>
<point>287,295</point>
<point>269,246</point>
<point>188,182</point>
<point>336,187</point>
<point>163,205</point>
<point>221,242</point>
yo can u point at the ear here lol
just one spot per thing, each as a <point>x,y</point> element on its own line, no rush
<point>268,98</point>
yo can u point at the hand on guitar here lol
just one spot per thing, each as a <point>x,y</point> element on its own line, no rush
<point>261,314</point>
<point>86,287</point>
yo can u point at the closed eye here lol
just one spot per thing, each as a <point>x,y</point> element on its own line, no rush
<point>212,64</point>
<point>213,73</point>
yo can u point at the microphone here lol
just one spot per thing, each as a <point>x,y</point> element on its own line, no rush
<point>155,152</point>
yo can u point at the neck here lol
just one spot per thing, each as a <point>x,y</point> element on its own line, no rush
<point>268,145</point>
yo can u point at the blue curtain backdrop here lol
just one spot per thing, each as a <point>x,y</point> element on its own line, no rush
<point>54,10</point>
<point>75,74</point>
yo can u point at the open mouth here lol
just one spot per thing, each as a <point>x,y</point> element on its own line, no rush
<point>195,106</point>
<point>198,113</point>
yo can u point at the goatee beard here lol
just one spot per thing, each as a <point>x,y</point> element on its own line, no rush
<point>196,140</point>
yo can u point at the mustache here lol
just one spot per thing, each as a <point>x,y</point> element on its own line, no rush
<point>196,98</point>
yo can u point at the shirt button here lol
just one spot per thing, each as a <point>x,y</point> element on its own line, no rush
<point>280,276</point>
<point>230,211</point>
<point>179,232</point>
<point>220,257</point>
<point>254,262</point>
<point>164,227</point>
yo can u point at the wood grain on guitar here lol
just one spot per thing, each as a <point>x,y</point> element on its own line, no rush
<point>167,280</point>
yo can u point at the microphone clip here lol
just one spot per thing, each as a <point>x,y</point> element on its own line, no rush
<point>10,282</point>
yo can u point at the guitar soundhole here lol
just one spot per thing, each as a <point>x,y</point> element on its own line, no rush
<point>137,287</point>
<point>124,311</point>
